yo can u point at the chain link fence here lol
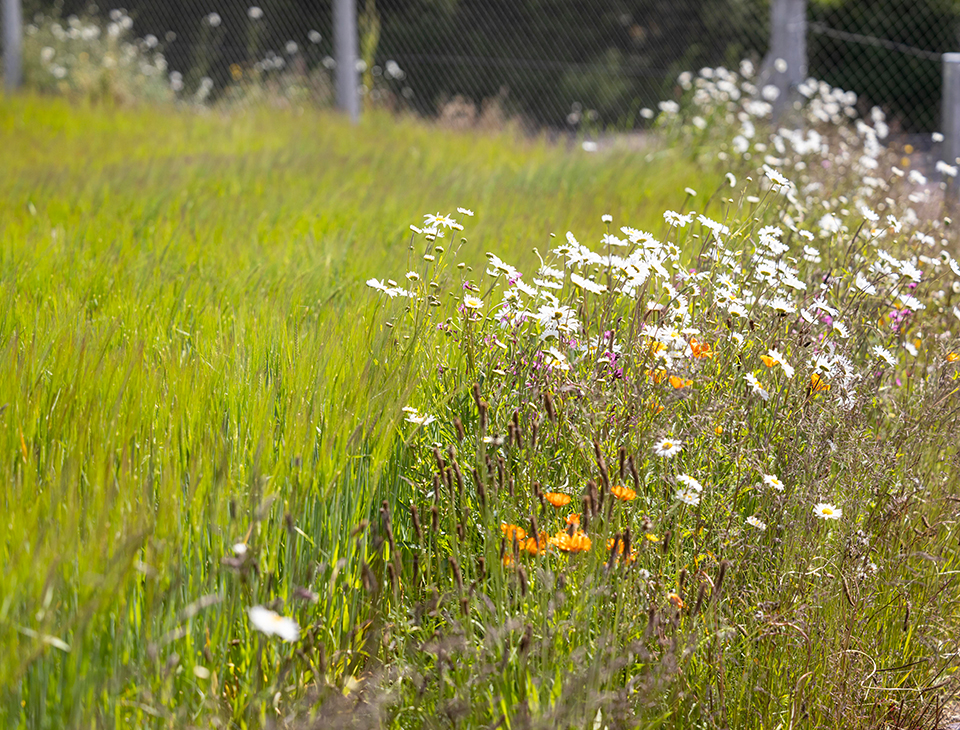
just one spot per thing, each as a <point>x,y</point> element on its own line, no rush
<point>557,64</point>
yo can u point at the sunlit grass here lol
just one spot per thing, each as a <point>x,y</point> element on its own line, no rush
<point>190,363</point>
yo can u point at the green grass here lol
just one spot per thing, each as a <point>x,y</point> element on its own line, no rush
<point>190,360</point>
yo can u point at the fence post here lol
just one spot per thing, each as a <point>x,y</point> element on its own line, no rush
<point>12,44</point>
<point>345,50</point>
<point>785,65</point>
<point>950,108</point>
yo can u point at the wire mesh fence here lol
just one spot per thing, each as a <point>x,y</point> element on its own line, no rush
<point>560,64</point>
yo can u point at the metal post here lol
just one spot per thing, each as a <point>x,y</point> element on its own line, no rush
<point>950,115</point>
<point>785,65</point>
<point>345,50</point>
<point>12,44</point>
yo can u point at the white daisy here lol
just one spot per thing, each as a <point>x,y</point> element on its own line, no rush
<point>273,624</point>
<point>758,523</point>
<point>827,511</point>
<point>690,483</point>
<point>772,480</point>
<point>665,448</point>
<point>688,496</point>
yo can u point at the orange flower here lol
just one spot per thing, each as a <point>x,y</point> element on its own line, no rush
<point>678,382</point>
<point>718,429</point>
<point>624,493</point>
<point>675,599</point>
<point>655,407</point>
<point>576,543</point>
<point>768,361</point>
<point>557,499</point>
<point>953,357</point>
<point>573,519</point>
<point>511,530</point>
<point>535,545</point>
<point>817,383</point>
<point>658,375</point>
<point>700,349</point>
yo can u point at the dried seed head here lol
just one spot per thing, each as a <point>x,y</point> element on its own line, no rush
<point>522,575</point>
<point>548,407</point>
<point>458,427</point>
<point>416,523</point>
<point>476,396</point>
<point>634,474</point>
<point>622,458</point>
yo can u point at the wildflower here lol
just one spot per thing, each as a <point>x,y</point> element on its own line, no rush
<point>413,276</point>
<point>465,211</point>
<point>688,496</point>
<point>254,12</point>
<point>472,302</point>
<point>511,531</point>
<point>755,386</point>
<point>677,220</point>
<point>273,624</point>
<point>817,383</point>
<point>240,549</point>
<point>665,448</point>
<point>578,542</point>
<point>619,545</point>
<point>700,349</point>
<point>606,218</point>
<point>758,523</point>
<point>863,284</point>
<point>775,177</point>
<point>884,355</point>
<point>435,220</point>
<point>678,382</point>
<point>573,518</point>
<point>718,429</point>
<point>557,499</point>
<point>827,511</point>
<point>953,357</point>
<point>420,419</point>
<point>689,482</point>
<point>623,493</point>
<point>771,480</point>
<point>536,544</point>
<point>675,599</point>
<point>775,358</point>
<point>587,285</point>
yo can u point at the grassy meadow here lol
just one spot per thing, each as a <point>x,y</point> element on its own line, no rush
<point>307,425</point>
<point>190,360</point>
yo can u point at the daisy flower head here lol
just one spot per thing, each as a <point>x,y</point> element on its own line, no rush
<point>690,483</point>
<point>755,386</point>
<point>688,496</point>
<point>754,521</point>
<point>472,302</point>
<point>772,480</point>
<point>884,354</point>
<point>273,624</point>
<point>827,511</point>
<point>666,448</point>
<point>465,211</point>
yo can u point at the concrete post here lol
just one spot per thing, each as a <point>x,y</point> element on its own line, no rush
<point>950,108</point>
<point>345,51</point>
<point>785,65</point>
<point>12,44</point>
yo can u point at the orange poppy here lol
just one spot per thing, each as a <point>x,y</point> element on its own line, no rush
<point>678,382</point>
<point>576,543</point>
<point>768,361</point>
<point>557,499</point>
<point>701,349</point>
<point>511,530</point>
<point>573,519</point>
<point>953,357</point>
<point>655,407</point>
<point>535,545</point>
<point>675,599</point>
<point>624,493</point>
<point>817,383</point>
<point>718,430</point>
